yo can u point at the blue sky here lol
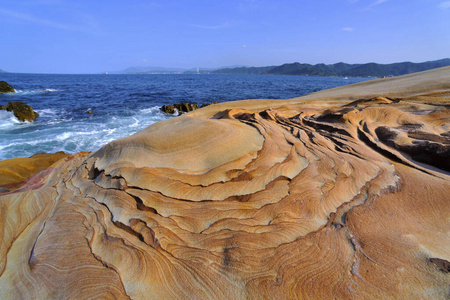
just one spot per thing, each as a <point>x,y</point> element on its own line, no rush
<point>62,36</point>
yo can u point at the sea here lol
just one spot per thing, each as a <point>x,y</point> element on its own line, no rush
<point>124,104</point>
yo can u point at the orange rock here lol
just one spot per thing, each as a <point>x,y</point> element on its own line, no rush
<point>293,199</point>
<point>14,172</point>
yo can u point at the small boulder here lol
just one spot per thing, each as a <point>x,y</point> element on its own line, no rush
<point>2,107</point>
<point>22,111</point>
<point>6,88</point>
<point>168,109</point>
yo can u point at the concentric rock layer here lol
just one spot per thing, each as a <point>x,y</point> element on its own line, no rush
<point>319,197</point>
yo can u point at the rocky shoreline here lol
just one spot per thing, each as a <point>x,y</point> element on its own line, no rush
<point>330,195</point>
<point>21,111</point>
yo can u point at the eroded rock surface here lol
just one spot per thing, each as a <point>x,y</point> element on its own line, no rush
<point>323,199</point>
<point>15,172</point>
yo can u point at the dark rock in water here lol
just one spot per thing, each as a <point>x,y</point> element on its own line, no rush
<point>168,109</point>
<point>2,107</point>
<point>89,111</point>
<point>6,88</point>
<point>22,111</point>
<point>180,107</point>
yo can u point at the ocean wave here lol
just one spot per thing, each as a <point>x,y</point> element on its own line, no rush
<point>47,112</point>
<point>53,133</point>
<point>64,136</point>
<point>151,110</point>
<point>9,121</point>
<point>34,91</point>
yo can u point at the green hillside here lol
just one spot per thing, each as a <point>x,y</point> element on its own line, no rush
<point>340,69</point>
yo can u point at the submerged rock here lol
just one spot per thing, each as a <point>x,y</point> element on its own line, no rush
<point>22,111</point>
<point>6,88</point>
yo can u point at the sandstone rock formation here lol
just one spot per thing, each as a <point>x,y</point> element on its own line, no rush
<point>6,88</point>
<point>22,111</point>
<point>15,172</point>
<point>327,196</point>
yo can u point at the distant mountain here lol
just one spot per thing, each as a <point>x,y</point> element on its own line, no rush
<point>164,70</point>
<point>243,70</point>
<point>340,69</point>
<point>150,70</point>
<point>1,71</point>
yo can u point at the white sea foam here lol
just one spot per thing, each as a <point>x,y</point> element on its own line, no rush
<point>8,121</point>
<point>64,136</point>
<point>52,134</point>
<point>136,123</point>
<point>48,112</point>
<point>36,91</point>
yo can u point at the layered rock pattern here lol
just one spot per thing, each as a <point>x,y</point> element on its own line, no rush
<point>302,200</point>
<point>15,172</point>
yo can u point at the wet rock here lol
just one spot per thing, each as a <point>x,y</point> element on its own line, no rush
<point>6,88</point>
<point>22,111</point>
<point>182,107</point>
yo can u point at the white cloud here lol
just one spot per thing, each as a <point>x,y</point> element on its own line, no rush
<point>378,2</point>
<point>349,29</point>
<point>30,18</point>
<point>444,5</point>
<point>86,22</point>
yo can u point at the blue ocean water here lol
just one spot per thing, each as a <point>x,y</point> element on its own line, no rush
<point>123,104</point>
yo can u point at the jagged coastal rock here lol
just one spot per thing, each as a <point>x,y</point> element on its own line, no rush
<point>6,88</point>
<point>22,111</point>
<point>182,107</point>
<point>318,197</point>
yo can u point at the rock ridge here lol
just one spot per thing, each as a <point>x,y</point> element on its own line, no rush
<point>306,199</point>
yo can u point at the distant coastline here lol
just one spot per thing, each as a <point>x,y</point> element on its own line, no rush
<point>341,69</point>
<point>331,70</point>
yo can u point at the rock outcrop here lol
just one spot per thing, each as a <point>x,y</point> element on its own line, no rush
<point>15,172</point>
<point>181,108</point>
<point>22,111</point>
<point>6,88</point>
<point>310,198</point>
